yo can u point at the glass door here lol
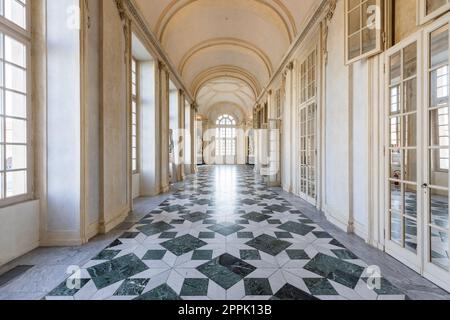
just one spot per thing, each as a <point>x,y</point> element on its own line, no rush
<point>417,152</point>
<point>307,121</point>
<point>436,186</point>
<point>402,152</point>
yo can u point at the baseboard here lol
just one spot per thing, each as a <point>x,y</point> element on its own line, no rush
<point>20,253</point>
<point>361,231</point>
<point>338,221</point>
<point>93,230</point>
<point>61,239</point>
<point>114,222</point>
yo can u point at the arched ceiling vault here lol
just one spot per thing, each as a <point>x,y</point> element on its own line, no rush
<point>233,44</point>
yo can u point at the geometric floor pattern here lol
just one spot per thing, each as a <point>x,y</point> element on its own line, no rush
<point>225,236</point>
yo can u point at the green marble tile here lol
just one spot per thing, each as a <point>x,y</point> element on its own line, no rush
<point>340,271</point>
<point>63,291</point>
<point>110,272</point>
<point>256,217</point>
<point>154,255</point>
<point>202,255</point>
<point>168,235</point>
<point>297,228</point>
<point>245,235</point>
<point>132,287</point>
<point>226,270</point>
<point>344,254</point>
<point>152,229</point>
<point>195,287</point>
<point>250,255</point>
<point>269,245</point>
<point>320,287</point>
<point>257,287</point>
<point>163,292</point>
<point>297,255</point>
<point>106,255</point>
<point>284,235</point>
<point>207,235</point>
<point>183,245</point>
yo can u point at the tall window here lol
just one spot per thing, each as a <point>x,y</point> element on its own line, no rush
<point>226,136</point>
<point>135,117</point>
<point>363,28</point>
<point>430,9</point>
<point>14,95</point>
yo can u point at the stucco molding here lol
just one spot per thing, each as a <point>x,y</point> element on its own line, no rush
<point>139,22</point>
<point>319,11</point>
<point>225,71</point>
<point>217,42</point>
<point>172,10</point>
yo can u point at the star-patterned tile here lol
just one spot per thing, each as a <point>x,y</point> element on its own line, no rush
<point>225,235</point>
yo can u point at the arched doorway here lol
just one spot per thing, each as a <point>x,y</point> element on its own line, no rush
<point>226,140</point>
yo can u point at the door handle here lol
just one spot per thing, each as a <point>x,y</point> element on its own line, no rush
<point>425,186</point>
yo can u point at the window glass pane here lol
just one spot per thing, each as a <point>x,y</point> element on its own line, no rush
<point>433,5</point>
<point>354,21</point>
<point>15,11</point>
<point>410,61</point>
<point>16,183</point>
<point>16,130</point>
<point>354,45</point>
<point>439,43</point>
<point>15,52</point>
<point>369,40</point>
<point>15,78</point>
<point>16,157</point>
<point>16,104</point>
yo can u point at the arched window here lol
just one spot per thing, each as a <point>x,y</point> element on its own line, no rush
<point>226,120</point>
<point>226,136</point>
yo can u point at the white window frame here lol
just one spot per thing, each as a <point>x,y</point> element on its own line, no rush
<point>423,18</point>
<point>135,97</point>
<point>16,32</point>
<point>379,34</point>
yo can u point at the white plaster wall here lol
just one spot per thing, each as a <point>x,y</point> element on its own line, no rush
<point>337,122</point>
<point>19,230</point>
<point>93,107</point>
<point>149,183</point>
<point>361,147</point>
<point>115,136</point>
<point>136,184</point>
<point>63,120</point>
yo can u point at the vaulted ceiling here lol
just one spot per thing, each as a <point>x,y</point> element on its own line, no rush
<point>226,50</point>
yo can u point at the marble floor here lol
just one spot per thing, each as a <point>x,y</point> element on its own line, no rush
<point>222,235</point>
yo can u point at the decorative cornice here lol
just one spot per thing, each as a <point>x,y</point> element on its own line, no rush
<point>139,22</point>
<point>311,23</point>
<point>331,9</point>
